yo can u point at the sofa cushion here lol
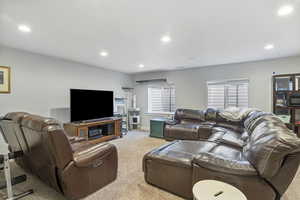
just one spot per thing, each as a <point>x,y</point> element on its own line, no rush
<point>232,118</point>
<point>93,155</point>
<point>79,145</point>
<point>219,163</point>
<point>268,145</point>
<point>217,133</point>
<point>225,158</point>
<point>197,115</point>
<point>179,153</point>
<point>234,114</point>
<point>211,114</point>
<point>244,136</point>
<point>15,116</point>
<point>253,119</point>
<point>37,122</point>
<point>227,137</point>
<point>230,126</point>
<point>55,138</point>
<point>231,140</point>
<point>182,131</point>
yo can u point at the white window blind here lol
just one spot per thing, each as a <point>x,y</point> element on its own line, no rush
<point>224,94</point>
<point>161,99</point>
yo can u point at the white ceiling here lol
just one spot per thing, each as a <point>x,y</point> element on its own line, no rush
<point>203,32</point>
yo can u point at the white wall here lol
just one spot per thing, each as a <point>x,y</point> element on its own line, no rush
<point>191,90</point>
<point>40,84</point>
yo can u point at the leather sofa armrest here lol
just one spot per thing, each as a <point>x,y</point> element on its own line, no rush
<point>150,154</point>
<point>224,165</point>
<point>93,155</point>
<point>205,130</point>
<point>208,123</point>
<point>171,122</point>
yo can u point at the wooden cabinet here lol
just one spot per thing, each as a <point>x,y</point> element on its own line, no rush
<point>118,127</point>
<point>284,86</point>
<point>95,131</point>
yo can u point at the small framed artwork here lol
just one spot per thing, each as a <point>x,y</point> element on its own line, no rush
<point>4,79</point>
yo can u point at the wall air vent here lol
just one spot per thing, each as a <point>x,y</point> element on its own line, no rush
<point>127,88</point>
<point>152,80</point>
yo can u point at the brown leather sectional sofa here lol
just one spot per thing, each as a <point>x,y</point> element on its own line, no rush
<point>249,149</point>
<point>73,167</point>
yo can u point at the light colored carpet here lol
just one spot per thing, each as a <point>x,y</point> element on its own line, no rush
<point>130,184</point>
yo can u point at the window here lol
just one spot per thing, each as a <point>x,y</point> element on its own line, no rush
<point>224,94</point>
<point>161,99</point>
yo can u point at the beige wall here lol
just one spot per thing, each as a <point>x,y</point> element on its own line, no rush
<point>40,84</point>
<point>191,90</point>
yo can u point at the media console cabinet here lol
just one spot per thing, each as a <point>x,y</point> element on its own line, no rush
<point>96,131</point>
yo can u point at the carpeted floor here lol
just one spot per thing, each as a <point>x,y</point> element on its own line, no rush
<point>130,184</point>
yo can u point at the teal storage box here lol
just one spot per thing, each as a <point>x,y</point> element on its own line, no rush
<point>157,127</point>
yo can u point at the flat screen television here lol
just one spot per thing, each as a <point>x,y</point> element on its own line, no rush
<point>90,104</point>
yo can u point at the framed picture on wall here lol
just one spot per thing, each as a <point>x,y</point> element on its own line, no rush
<point>4,79</point>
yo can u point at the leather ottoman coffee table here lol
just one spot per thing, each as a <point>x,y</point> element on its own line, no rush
<point>170,166</point>
<point>211,189</point>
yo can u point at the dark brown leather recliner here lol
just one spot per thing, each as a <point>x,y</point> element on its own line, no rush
<point>73,167</point>
<point>249,149</point>
<point>188,125</point>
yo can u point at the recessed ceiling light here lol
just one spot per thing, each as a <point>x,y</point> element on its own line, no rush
<point>165,39</point>
<point>269,46</point>
<point>103,53</point>
<point>141,66</point>
<point>285,10</point>
<point>24,28</point>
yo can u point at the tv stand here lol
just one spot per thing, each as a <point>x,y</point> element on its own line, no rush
<point>96,120</point>
<point>96,130</point>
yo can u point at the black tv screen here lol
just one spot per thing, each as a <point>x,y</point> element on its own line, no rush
<point>90,104</point>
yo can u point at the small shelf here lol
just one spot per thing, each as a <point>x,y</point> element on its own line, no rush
<point>288,107</point>
<point>292,124</point>
<point>278,92</point>
<point>285,91</point>
<point>285,85</point>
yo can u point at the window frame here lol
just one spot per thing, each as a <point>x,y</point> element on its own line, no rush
<point>149,110</point>
<point>226,83</point>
